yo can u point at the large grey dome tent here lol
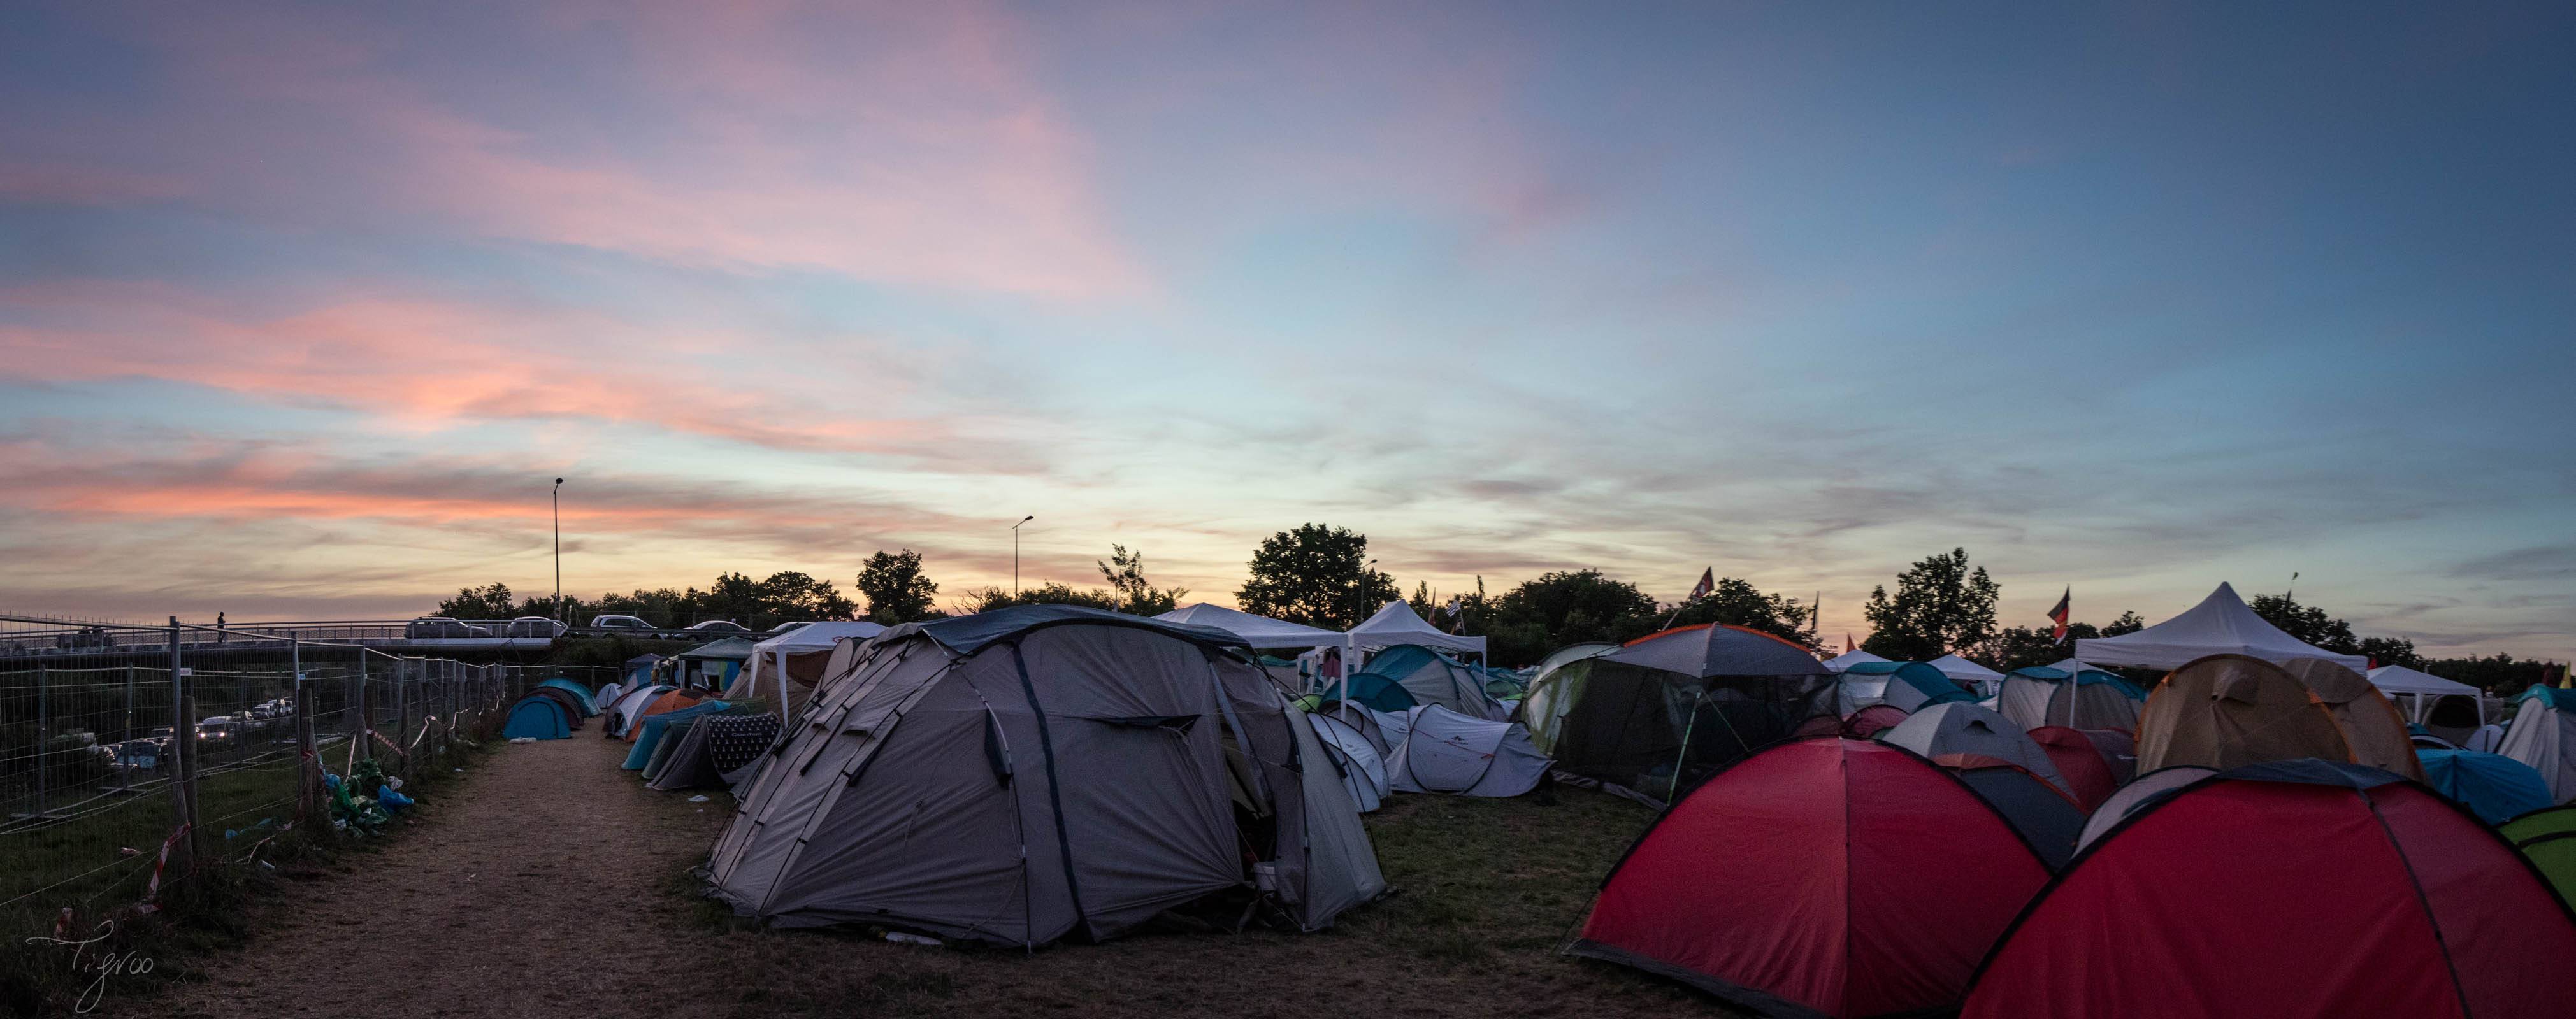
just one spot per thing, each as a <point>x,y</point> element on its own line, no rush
<point>1033,773</point>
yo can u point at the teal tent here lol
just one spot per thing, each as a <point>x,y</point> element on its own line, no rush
<point>538,717</point>
<point>2492,786</point>
<point>589,707</point>
<point>656,726</point>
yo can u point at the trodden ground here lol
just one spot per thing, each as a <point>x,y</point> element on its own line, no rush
<point>551,883</point>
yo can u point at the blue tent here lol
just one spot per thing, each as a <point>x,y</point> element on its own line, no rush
<point>1368,689</point>
<point>537,717</point>
<point>1912,686</point>
<point>589,707</point>
<point>2493,786</point>
<point>656,725</point>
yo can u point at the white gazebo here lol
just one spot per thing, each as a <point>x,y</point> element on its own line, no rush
<point>1396,624</point>
<point>2220,625</point>
<point>1258,631</point>
<point>1969,674</point>
<point>801,651</point>
<point>1847,659</point>
<point>2418,689</point>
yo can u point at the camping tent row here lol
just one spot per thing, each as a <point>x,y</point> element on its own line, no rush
<point>2230,710</point>
<point>1656,713</point>
<point>1833,856</point>
<point>787,667</point>
<point>1030,773</point>
<point>553,709</point>
<point>1395,625</point>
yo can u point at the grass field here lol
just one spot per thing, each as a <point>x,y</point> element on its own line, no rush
<point>1485,893</point>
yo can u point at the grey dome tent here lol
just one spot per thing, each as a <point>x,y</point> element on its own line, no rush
<point>1667,708</point>
<point>1443,751</point>
<point>1033,773</point>
<point>1963,728</point>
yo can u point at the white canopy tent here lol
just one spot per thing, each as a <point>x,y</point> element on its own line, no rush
<point>1847,659</point>
<point>2414,692</point>
<point>2220,625</point>
<point>2397,679</point>
<point>769,657</point>
<point>1396,624</point>
<point>1258,631</point>
<point>1969,674</point>
<point>2072,666</point>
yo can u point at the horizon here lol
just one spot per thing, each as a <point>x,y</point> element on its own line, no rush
<point>302,308</point>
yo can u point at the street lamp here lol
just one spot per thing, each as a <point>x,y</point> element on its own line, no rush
<point>559,605</point>
<point>1015,554</point>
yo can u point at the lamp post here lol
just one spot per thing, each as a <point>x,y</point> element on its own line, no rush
<point>559,605</point>
<point>1015,554</point>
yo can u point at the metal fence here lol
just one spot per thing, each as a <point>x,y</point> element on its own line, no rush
<point>145,753</point>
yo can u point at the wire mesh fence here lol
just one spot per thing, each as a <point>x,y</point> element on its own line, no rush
<point>134,756</point>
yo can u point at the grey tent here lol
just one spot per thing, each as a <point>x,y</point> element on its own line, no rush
<point>1442,751</point>
<point>1032,773</point>
<point>1362,764</point>
<point>1963,728</point>
<point>1665,709</point>
<point>718,751</point>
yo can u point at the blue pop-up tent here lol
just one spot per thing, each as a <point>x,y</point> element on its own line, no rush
<point>2493,786</point>
<point>538,717</point>
<point>655,726</point>
<point>582,696</point>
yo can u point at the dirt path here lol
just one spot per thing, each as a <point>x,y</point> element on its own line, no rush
<point>522,868</point>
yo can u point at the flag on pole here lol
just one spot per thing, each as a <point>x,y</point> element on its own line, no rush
<point>1848,646</point>
<point>2059,613</point>
<point>1707,585</point>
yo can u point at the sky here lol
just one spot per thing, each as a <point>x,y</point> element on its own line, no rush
<point>302,308</point>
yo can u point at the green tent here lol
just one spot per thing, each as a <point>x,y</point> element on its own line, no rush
<point>2548,838</point>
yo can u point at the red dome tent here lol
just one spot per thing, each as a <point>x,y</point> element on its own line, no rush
<point>2088,774</point>
<point>2289,888</point>
<point>1820,877</point>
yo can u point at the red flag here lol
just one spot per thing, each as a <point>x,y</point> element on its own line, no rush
<point>2059,613</point>
<point>1707,585</point>
<point>1848,646</point>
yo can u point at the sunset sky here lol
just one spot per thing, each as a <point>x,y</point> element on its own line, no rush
<point>302,307</point>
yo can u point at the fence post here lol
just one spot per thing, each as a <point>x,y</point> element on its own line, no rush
<point>44,739</point>
<point>366,715</point>
<point>181,812</point>
<point>308,766</point>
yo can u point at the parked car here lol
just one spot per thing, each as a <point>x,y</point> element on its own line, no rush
<point>441,628</point>
<point>534,626</point>
<point>138,754</point>
<point>719,626</point>
<point>620,623</point>
<point>219,729</point>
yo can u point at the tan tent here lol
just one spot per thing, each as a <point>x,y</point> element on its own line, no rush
<point>2224,711</point>
<point>2371,726</point>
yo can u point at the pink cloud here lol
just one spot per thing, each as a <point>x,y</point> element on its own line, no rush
<point>430,363</point>
<point>901,145</point>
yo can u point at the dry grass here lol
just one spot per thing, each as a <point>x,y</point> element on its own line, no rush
<point>551,861</point>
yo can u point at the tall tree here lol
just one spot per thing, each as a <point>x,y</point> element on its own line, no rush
<point>2127,623</point>
<point>1316,575</point>
<point>791,596</point>
<point>1053,592</point>
<point>895,588</point>
<point>1566,607</point>
<point>1941,605</point>
<point>1737,603</point>
<point>491,601</point>
<point>2306,622</point>
<point>1125,572</point>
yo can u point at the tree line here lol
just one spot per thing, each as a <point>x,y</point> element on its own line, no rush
<point>1323,576</point>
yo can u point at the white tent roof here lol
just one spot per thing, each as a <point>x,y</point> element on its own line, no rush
<point>1847,659</point>
<point>2072,666</point>
<point>816,637</point>
<point>1964,671</point>
<point>1258,631</point>
<point>1396,624</point>
<point>2395,679</point>
<point>2220,625</point>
